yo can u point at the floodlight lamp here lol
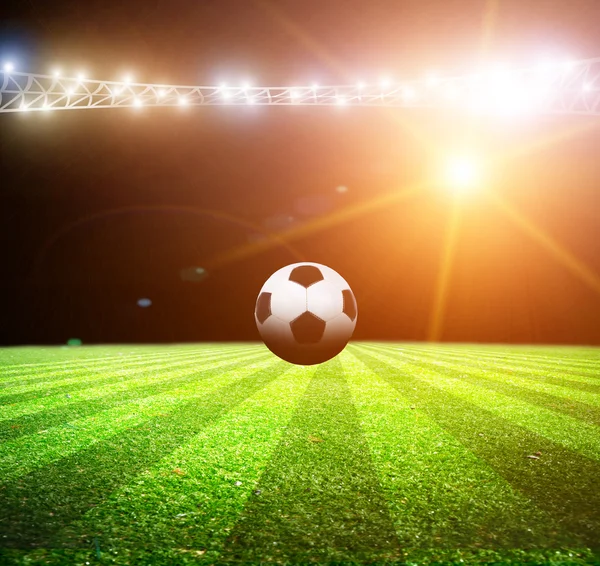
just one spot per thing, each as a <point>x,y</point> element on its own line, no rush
<point>81,77</point>
<point>127,79</point>
<point>245,86</point>
<point>56,73</point>
<point>183,101</point>
<point>9,67</point>
<point>293,94</point>
<point>385,82</point>
<point>315,86</point>
<point>462,174</point>
<point>341,100</point>
<point>161,92</point>
<point>137,102</point>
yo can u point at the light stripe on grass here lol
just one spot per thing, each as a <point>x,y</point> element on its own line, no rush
<point>27,453</point>
<point>88,403</point>
<point>32,378</point>
<point>440,495</point>
<point>86,357</point>
<point>531,368</point>
<point>68,487</point>
<point>195,508</point>
<point>506,376</point>
<point>320,500</point>
<point>560,482</point>
<point>568,431</point>
<point>115,376</point>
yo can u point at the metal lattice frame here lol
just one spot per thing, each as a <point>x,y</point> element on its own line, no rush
<point>563,89</point>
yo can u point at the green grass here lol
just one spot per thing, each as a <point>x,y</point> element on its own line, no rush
<point>219,454</point>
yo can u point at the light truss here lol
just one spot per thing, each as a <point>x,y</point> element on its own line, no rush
<point>567,88</point>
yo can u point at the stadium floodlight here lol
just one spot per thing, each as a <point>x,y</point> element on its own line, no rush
<point>127,79</point>
<point>226,94</point>
<point>315,86</point>
<point>81,77</point>
<point>245,86</point>
<point>137,102</point>
<point>293,93</point>
<point>341,100</point>
<point>463,174</point>
<point>8,67</point>
<point>385,82</point>
<point>183,101</point>
<point>56,73</point>
<point>160,92</point>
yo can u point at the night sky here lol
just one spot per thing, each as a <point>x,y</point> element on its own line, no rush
<point>101,208</point>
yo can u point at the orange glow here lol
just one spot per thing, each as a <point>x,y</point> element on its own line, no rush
<point>577,267</point>
<point>443,282</point>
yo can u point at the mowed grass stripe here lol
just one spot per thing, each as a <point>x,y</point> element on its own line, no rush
<point>569,431</point>
<point>97,354</point>
<point>441,496</point>
<point>85,379</point>
<point>320,498</point>
<point>572,402</point>
<point>584,357</point>
<point>22,455</point>
<point>532,368</point>
<point>559,482</point>
<point>85,477</point>
<point>40,378</point>
<point>86,355</point>
<point>159,511</point>
<point>60,411</point>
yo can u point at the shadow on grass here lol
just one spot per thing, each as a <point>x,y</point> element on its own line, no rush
<point>482,378</point>
<point>28,424</point>
<point>34,508</point>
<point>319,498</point>
<point>563,482</point>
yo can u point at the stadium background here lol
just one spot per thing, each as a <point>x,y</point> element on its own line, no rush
<point>99,209</point>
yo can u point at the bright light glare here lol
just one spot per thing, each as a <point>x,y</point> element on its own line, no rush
<point>161,92</point>
<point>81,76</point>
<point>360,85</point>
<point>183,101</point>
<point>70,90</point>
<point>127,79</point>
<point>251,100</point>
<point>56,73</point>
<point>137,102</point>
<point>315,86</point>
<point>9,67</point>
<point>245,85</point>
<point>294,94</point>
<point>462,174</point>
<point>385,82</point>
<point>341,100</point>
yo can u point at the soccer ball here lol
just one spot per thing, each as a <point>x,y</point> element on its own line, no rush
<point>306,313</point>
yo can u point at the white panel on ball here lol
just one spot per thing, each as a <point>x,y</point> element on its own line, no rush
<point>325,300</point>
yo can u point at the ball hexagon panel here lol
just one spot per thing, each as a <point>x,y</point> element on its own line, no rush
<point>325,300</point>
<point>338,328</point>
<point>334,277</point>
<point>288,300</point>
<point>275,331</point>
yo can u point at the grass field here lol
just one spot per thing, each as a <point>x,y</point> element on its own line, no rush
<point>217,454</point>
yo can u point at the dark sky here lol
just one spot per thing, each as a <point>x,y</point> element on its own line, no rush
<point>101,208</point>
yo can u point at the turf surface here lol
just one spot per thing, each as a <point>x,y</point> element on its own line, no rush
<point>218,454</point>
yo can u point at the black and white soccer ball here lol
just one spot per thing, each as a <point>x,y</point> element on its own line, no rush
<point>306,313</point>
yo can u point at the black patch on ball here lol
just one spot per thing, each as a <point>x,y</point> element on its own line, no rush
<point>306,275</point>
<point>349,304</point>
<point>308,328</point>
<point>263,307</point>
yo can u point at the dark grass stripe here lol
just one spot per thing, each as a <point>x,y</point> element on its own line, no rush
<point>11,429</point>
<point>534,368</point>
<point>68,488</point>
<point>560,483</point>
<point>319,500</point>
<point>93,379</point>
<point>67,365</point>
<point>481,378</point>
<point>516,370</point>
<point>30,377</point>
<point>516,356</point>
